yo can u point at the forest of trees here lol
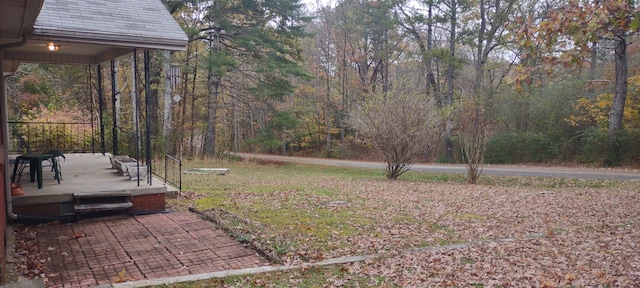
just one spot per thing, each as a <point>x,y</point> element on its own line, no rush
<point>522,81</point>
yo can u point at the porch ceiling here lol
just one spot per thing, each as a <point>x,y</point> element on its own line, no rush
<point>16,18</point>
<point>87,31</point>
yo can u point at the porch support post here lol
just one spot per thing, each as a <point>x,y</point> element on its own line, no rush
<point>5,198</point>
<point>136,113</point>
<point>4,146</point>
<point>114,99</point>
<point>93,126</point>
<point>101,109</point>
<point>147,93</point>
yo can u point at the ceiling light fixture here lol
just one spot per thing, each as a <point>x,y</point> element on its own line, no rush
<point>53,47</point>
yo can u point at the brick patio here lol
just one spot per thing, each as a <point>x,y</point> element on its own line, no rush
<point>103,251</point>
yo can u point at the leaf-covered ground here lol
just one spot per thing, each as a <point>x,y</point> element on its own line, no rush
<point>559,233</point>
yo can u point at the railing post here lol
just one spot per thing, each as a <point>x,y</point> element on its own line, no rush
<point>114,99</point>
<point>147,93</point>
<point>137,116</point>
<point>93,134</point>
<point>28,135</point>
<point>101,108</point>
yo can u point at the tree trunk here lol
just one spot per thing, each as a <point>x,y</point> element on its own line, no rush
<point>480,50</point>
<point>431,81</point>
<point>452,51</point>
<point>181,112</point>
<point>166,127</point>
<point>210,137</point>
<point>134,100</point>
<point>213,83</point>
<point>592,70</point>
<point>385,69</point>
<point>343,88</point>
<point>620,95</point>
<point>252,128</point>
<point>328,113</point>
<point>154,95</point>
<point>448,101</point>
<point>192,148</point>
<point>619,99</point>
<point>594,59</point>
<point>235,141</point>
<point>425,50</point>
<point>283,143</point>
<point>328,129</point>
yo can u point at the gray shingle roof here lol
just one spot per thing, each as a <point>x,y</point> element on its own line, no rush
<point>127,23</point>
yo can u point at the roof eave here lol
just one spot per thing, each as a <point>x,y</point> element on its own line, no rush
<point>124,41</point>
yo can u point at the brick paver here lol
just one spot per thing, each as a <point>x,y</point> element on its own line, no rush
<point>139,247</point>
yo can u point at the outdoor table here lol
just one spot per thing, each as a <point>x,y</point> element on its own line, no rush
<point>35,166</point>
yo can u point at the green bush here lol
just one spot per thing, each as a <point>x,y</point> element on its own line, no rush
<point>520,147</point>
<point>596,148</point>
<point>593,146</point>
<point>629,141</point>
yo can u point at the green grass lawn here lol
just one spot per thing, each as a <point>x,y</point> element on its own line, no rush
<point>300,214</point>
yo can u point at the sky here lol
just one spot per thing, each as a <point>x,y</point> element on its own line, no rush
<point>311,4</point>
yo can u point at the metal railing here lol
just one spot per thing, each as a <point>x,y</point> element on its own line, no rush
<point>67,137</point>
<point>164,166</point>
<point>168,169</point>
<point>82,137</point>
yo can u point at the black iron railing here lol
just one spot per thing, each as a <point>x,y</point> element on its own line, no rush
<point>169,169</point>
<point>129,144</point>
<point>166,167</point>
<point>67,137</point>
<point>82,137</point>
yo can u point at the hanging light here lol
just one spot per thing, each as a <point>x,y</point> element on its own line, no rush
<point>53,47</point>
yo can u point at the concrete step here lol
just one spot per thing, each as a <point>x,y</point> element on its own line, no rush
<point>103,194</point>
<point>102,202</point>
<point>98,207</point>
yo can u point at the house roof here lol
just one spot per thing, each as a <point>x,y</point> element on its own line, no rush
<point>127,23</point>
<point>91,31</point>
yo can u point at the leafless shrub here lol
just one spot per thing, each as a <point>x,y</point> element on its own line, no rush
<point>472,134</point>
<point>401,125</point>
